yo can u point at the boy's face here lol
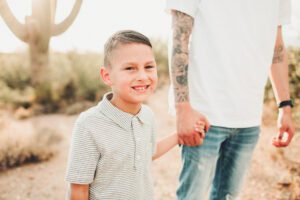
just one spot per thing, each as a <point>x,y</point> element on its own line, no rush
<point>132,74</point>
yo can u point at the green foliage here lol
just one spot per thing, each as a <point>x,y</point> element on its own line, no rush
<point>294,83</point>
<point>86,82</point>
<point>71,78</point>
<point>74,77</point>
<point>161,55</point>
<point>294,73</point>
<point>294,66</point>
<point>14,79</point>
<point>294,77</point>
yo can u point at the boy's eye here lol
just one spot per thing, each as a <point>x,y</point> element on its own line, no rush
<point>129,68</point>
<point>149,67</point>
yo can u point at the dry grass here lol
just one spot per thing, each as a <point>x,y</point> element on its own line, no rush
<point>45,180</point>
<point>37,143</point>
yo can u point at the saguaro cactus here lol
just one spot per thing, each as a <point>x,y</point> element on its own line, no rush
<point>37,31</point>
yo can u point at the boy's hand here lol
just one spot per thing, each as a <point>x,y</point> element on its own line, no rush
<point>200,128</point>
<point>186,118</point>
<point>286,128</point>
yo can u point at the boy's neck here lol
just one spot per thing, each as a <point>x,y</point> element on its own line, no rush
<point>132,108</point>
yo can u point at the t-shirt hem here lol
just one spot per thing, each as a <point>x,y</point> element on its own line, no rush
<point>239,124</point>
<point>284,22</point>
<point>228,124</point>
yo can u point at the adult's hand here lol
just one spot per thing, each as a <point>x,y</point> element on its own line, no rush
<point>286,128</point>
<point>186,118</point>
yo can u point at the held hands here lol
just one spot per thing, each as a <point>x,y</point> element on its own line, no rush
<point>286,128</point>
<point>191,125</point>
<point>199,127</point>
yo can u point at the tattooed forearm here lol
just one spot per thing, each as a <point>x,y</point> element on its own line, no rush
<point>182,28</point>
<point>278,54</point>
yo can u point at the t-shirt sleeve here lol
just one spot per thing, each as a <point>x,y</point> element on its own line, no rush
<point>83,156</point>
<point>284,14</point>
<point>188,7</point>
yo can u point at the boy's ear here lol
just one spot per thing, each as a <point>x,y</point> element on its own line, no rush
<point>104,73</point>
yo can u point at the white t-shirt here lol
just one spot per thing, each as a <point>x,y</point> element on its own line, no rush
<point>231,51</point>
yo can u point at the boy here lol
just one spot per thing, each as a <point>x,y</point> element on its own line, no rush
<point>113,143</point>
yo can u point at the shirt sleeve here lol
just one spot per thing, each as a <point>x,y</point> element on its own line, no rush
<point>83,156</point>
<point>284,14</point>
<point>189,7</point>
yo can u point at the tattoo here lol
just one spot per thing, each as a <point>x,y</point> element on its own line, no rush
<point>182,28</point>
<point>182,79</point>
<point>278,54</point>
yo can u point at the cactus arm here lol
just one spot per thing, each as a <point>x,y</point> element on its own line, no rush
<point>58,29</point>
<point>18,29</point>
<point>53,11</point>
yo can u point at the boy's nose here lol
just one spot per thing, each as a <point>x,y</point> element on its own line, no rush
<point>142,75</point>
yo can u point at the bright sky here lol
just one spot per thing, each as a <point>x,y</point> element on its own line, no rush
<point>97,20</point>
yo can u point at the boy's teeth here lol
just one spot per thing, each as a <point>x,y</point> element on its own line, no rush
<point>140,88</point>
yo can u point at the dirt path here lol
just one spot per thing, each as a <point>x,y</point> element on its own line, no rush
<point>271,176</point>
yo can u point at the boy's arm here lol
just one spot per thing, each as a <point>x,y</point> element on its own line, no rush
<point>79,192</point>
<point>164,145</point>
<point>279,79</point>
<point>167,143</point>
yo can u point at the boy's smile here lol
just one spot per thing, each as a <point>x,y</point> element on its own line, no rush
<point>140,88</point>
<point>132,76</point>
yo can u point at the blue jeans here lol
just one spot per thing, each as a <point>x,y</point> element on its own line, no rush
<point>219,163</point>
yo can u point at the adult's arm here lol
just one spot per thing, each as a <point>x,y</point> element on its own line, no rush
<point>186,116</point>
<point>279,79</point>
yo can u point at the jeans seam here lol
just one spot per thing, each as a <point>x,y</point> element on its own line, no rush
<point>222,168</point>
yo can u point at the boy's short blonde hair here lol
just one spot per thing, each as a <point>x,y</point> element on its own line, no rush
<point>123,37</point>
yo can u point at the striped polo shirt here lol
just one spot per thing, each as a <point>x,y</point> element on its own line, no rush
<point>112,150</point>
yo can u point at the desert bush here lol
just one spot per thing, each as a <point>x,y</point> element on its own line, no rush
<point>15,70</point>
<point>72,77</point>
<point>294,82</point>
<point>294,76</point>
<point>33,145</point>
<point>14,79</point>
<point>161,56</point>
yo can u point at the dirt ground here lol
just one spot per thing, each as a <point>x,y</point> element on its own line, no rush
<point>274,174</point>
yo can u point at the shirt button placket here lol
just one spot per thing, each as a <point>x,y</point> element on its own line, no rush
<point>137,157</point>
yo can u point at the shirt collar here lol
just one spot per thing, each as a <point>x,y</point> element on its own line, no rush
<point>123,119</point>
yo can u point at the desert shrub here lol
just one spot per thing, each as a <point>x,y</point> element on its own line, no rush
<point>18,147</point>
<point>86,78</point>
<point>72,77</point>
<point>14,70</point>
<point>294,73</point>
<point>15,79</point>
<point>294,76</point>
<point>294,82</point>
<point>161,57</point>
